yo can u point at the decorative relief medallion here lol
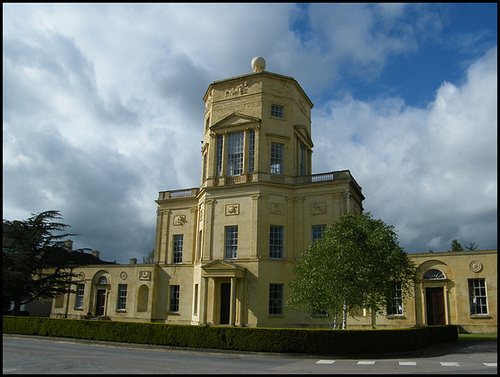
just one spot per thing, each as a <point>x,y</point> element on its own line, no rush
<point>238,90</point>
<point>277,209</point>
<point>145,275</point>
<point>475,266</point>
<point>318,208</point>
<point>232,209</point>
<point>81,275</point>
<point>179,220</point>
<point>123,275</point>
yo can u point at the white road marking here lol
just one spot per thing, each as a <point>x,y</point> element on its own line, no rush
<point>412,363</point>
<point>490,364</point>
<point>366,362</point>
<point>325,361</point>
<point>449,364</point>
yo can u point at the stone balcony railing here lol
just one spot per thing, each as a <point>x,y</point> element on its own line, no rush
<point>334,176</point>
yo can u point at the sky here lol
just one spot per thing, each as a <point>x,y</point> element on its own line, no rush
<point>103,108</point>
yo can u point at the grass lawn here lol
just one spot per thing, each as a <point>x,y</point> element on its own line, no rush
<point>477,336</point>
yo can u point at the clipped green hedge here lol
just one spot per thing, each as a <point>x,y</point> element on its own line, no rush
<point>308,341</point>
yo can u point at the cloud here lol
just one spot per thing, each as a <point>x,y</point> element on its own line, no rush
<point>103,108</point>
<point>431,172</point>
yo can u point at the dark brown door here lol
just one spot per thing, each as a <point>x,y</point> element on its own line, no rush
<point>101,301</point>
<point>435,306</point>
<point>225,303</point>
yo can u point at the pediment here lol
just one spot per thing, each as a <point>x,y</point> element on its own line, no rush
<point>304,134</point>
<point>222,268</point>
<point>236,121</point>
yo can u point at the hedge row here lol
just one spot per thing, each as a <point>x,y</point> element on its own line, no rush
<point>308,341</point>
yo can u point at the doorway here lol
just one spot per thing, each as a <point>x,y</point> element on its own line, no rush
<point>225,303</point>
<point>434,299</point>
<point>101,302</point>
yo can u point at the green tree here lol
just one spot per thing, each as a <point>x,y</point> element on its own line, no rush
<point>149,258</point>
<point>35,261</point>
<point>355,264</point>
<point>456,246</point>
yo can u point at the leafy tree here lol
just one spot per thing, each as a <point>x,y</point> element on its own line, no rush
<point>149,258</point>
<point>35,261</point>
<point>356,264</point>
<point>455,246</point>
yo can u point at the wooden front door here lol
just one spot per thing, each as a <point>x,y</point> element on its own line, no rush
<point>225,303</point>
<point>434,299</point>
<point>101,302</point>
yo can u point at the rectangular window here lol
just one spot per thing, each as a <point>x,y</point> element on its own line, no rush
<point>317,232</point>
<point>276,299</point>
<point>302,159</point>
<point>174,298</point>
<point>218,158</point>
<point>477,296</point>
<point>277,158</point>
<point>235,147</point>
<point>80,289</point>
<point>278,111</point>
<point>276,242</point>
<point>177,251</point>
<point>395,305</point>
<point>231,245</point>
<point>122,297</point>
<point>251,150</point>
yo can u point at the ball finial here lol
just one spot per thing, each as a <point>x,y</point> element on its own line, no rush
<point>258,64</point>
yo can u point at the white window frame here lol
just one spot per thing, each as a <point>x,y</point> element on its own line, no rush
<point>277,111</point>
<point>80,291</point>
<point>178,245</point>
<point>277,158</point>
<point>121,304</point>
<point>231,242</point>
<point>478,296</point>
<point>174,298</point>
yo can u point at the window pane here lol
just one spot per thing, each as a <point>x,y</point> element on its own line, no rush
<point>276,242</point>
<point>218,161</point>
<point>174,298</point>
<point>395,305</point>
<point>251,150</point>
<point>277,157</point>
<point>80,289</point>
<point>178,245</point>
<point>317,232</point>
<point>277,111</point>
<point>276,299</point>
<point>122,296</point>
<point>477,296</point>
<point>231,242</point>
<point>235,146</point>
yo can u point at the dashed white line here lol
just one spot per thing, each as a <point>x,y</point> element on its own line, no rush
<point>490,364</point>
<point>366,362</point>
<point>325,362</point>
<point>449,364</point>
<point>410,363</point>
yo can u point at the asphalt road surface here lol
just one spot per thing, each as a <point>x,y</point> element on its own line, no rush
<point>41,355</point>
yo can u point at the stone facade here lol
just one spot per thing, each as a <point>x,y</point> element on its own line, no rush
<point>224,251</point>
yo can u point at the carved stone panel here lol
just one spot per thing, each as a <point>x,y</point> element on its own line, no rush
<point>318,208</point>
<point>277,209</point>
<point>145,275</point>
<point>179,220</point>
<point>232,209</point>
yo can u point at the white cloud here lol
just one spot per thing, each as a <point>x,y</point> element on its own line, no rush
<point>103,108</point>
<point>421,167</point>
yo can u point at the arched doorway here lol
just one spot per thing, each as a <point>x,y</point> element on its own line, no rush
<point>434,297</point>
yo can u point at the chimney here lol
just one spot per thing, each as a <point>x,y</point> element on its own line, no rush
<point>133,260</point>
<point>96,254</point>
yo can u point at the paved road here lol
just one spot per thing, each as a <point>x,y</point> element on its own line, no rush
<point>39,355</point>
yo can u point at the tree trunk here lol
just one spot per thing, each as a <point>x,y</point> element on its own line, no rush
<point>17,308</point>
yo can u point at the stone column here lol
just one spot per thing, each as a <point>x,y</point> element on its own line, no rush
<point>232,306</point>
